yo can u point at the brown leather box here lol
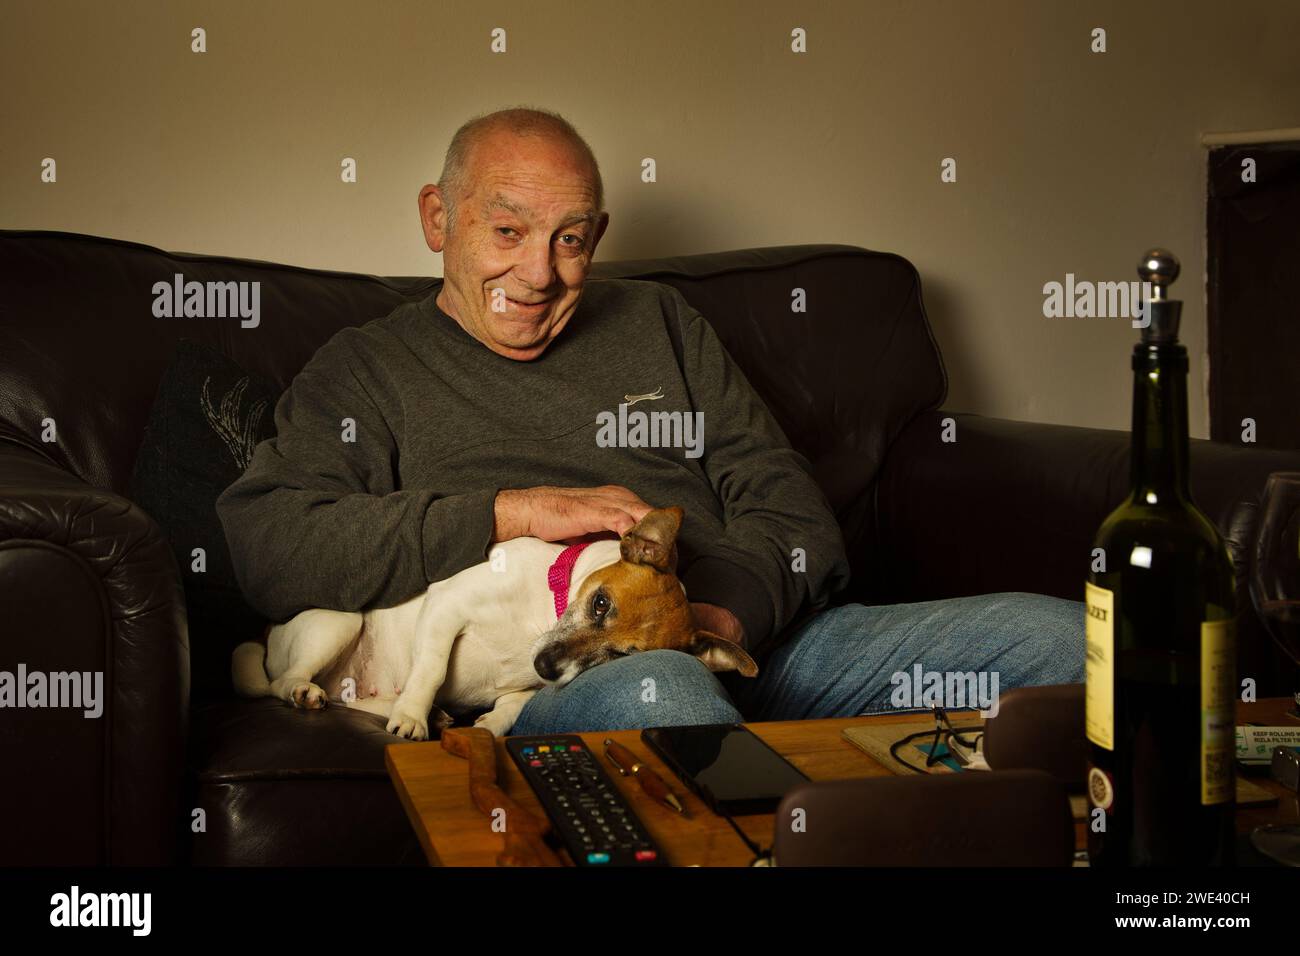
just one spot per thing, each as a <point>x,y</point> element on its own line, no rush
<point>1008,818</point>
<point>1040,728</point>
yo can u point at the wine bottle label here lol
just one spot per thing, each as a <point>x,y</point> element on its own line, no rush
<point>1099,635</point>
<point>1218,743</point>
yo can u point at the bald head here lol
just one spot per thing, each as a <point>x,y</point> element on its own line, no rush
<point>516,215</point>
<point>497,130</point>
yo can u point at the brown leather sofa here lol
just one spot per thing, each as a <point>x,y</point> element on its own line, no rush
<point>88,582</point>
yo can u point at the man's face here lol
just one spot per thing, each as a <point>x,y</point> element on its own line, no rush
<point>524,238</point>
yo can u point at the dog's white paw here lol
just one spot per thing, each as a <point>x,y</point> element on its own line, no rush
<point>499,724</point>
<point>308,696</point>
<point>408,726</point>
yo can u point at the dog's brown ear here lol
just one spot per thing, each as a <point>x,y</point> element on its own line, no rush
<point>652,540</point>
<point>720,654</point>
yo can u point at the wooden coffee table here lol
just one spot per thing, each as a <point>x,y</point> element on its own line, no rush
<point>434,788</point>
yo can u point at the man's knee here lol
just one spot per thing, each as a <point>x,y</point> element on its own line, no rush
<point>1051,631</point>
<point>650,689</point>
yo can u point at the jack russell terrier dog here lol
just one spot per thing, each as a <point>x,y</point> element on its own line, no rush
<point>492,635</point>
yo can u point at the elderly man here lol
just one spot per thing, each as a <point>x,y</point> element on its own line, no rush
<point>475,419</point>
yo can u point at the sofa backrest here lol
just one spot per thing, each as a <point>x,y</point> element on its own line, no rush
<point>80,345</point>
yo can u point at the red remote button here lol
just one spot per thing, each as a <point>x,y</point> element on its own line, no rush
<point>645,854</point>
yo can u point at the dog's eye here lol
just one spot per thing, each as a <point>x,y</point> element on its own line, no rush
<point>599,604</point>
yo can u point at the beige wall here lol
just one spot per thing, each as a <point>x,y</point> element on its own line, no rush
<point>1068,161</point>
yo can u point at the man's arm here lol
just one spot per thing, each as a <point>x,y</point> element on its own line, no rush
<point>316,521</point>
<point>771,505</point>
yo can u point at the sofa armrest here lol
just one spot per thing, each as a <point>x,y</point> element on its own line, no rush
<point>88,585</point>
<point>1014,506</point>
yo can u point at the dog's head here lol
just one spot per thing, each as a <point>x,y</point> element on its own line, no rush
<point>635,604</point>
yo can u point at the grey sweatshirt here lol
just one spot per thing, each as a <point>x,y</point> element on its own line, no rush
<point>364,516</point>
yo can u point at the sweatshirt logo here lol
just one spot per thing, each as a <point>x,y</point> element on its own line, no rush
<point>654,396</point>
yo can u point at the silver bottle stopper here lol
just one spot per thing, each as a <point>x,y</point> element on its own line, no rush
<point>1160,268</point>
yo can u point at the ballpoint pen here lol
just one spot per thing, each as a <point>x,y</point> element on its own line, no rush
<point>653,784</point>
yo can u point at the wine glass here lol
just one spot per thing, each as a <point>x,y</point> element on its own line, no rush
<point>1275,591</point>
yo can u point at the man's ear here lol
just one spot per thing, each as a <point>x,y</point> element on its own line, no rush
<point>720,654</point>
<point>433,217</point>
<point>652,540</point>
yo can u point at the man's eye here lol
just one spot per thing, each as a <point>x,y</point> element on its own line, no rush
<point>504,229</point>
<point>599,604</point>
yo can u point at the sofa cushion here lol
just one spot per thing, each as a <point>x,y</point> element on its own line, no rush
<point>266,739</point>
<point>282,786</point>
<point>208,416</point>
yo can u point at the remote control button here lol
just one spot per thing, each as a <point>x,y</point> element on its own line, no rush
<point>646,855</point>
<point>597,857</point>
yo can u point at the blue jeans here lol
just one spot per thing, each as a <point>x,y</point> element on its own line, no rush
<point>838,664</point>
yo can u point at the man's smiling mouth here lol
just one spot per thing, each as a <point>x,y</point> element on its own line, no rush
<point>528,307</point>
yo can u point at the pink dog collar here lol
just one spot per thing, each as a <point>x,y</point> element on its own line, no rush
<point>561,573</point>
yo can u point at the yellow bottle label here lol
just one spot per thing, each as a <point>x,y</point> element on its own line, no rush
<point>1099,634</point>
<point>1218,710</point>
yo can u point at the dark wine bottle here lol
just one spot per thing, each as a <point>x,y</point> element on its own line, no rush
<point>1161,636</point>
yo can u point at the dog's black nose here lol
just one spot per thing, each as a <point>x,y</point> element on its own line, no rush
<point>545,663</point>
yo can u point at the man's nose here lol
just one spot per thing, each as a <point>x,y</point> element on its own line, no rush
<point>546,663</point>
<point>537,266</point>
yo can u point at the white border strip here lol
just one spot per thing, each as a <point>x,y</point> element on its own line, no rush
<point>1288,134</point>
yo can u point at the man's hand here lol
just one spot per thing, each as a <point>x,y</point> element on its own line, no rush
<point>710,617</point>
<point>557,514</point>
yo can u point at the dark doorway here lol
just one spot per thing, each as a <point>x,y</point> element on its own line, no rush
<point>1254,306</point>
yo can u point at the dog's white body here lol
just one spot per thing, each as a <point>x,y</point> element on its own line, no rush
<point>463,644</point>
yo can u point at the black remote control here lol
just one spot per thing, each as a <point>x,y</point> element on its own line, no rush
<point>587,810</point>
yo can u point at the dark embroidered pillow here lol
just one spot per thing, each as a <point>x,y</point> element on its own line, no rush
<point>208,416</point>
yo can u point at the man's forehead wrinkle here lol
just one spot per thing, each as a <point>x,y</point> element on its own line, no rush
<point>503,202</point>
